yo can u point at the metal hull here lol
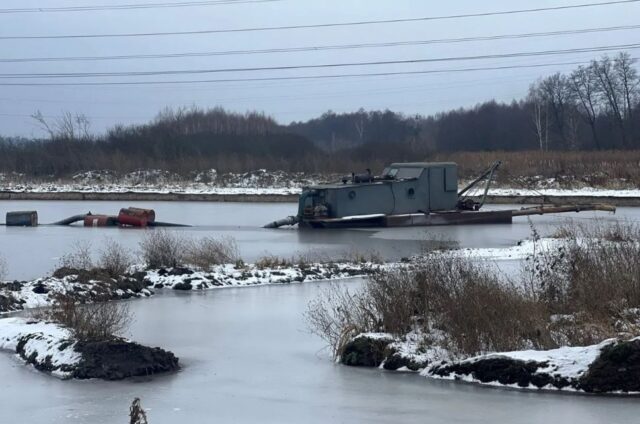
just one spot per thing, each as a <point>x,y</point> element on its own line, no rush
<point>411,220</point>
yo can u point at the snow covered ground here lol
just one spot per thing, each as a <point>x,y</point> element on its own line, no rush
<point>263,182</point>
<point>92,286</point>
<point>46,345</point>
<point>607,367</point>
<point>41,292</point>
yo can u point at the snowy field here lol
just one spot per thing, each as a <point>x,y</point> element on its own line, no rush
<point>263,182</point>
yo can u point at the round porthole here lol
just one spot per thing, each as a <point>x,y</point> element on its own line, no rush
<point>352,194</point>
<point>411,192</point>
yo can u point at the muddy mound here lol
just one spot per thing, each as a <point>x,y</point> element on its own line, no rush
<point>365,352</point>
<point>119,359</point>
<point>616,369</point>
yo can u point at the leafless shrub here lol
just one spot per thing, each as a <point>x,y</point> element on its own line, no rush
<point>136,413</point>
<point>162,248</point>
<point>114,258</point>
<point>79,257</point>
<point>91,322</point>
<point>338,315</point>
<point>209,251</point>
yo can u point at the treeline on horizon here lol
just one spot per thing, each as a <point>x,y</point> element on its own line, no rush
<point>595,107</point>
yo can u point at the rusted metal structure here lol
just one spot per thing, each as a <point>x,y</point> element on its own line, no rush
<point>127,217</point>
<point>408,194</point>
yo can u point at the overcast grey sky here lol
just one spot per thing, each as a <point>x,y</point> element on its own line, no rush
<point>292,99</point>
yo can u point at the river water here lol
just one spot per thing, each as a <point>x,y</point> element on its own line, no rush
<point>247,354</point>
<point>33,252</point>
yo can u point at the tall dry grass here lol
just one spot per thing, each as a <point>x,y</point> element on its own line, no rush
<point>593,168</point>
<point>584,288</point>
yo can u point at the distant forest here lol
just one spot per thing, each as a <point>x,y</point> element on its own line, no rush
<point>595,107</point>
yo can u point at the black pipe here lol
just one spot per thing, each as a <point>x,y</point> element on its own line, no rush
<point>71,219</point>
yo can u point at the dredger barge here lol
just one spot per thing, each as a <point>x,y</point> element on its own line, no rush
<point>408,194</point>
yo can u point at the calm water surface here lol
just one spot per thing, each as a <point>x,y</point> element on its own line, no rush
<point>248,358</point>
<point>32,252</point>
<point>247,354</point>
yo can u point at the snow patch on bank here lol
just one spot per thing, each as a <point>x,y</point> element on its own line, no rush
<point>230,275</point>
<point>46,345</point>
<point>563,365</point>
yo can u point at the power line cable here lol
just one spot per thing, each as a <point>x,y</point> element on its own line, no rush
<point>287,78</point>
<point>319,48</point>
<point>129,6</point>
<point>324,25</point>
<point>317,66</point>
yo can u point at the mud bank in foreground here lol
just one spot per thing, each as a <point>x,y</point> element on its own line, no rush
<point>51,348</point>
<point>610,367</point>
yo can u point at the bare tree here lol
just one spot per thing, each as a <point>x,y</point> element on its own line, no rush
<point>556,93</point>
<point>540,117</point>
<point>584,86</point>
<point>68,126</point>
<point>609,87</point>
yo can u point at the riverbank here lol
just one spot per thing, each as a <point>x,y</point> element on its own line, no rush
<point>96,286</point>
<point>612,366</point>
<point>53,349</point>
<point>568,319</point>
<point>495,196</point>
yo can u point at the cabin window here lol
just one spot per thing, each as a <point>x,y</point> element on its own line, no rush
<point>389,172</point>
<point>408,173</point>
<point>352,194</point>
<point>411,193</point>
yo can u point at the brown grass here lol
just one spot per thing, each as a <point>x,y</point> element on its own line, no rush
<point>581,291</point>
<point>590,168</point>
<point>208,251</point>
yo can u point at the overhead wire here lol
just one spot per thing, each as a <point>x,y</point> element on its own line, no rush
<point>321,47</point>
<point>304,77</point>
<point>324,25</point>
<point>91,8</point>
<point>315,66</point>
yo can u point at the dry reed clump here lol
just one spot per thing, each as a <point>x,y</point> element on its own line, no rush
<point>162,248</point>
<point>607,168</point>
<point>208,251</point>
<point>458,297</point>
<point>273,261</point>
<point>593,278</point>
<point>580,291</point>
<point>91,322</point>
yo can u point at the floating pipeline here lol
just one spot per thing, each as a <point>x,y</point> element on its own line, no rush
<point>127,217</point>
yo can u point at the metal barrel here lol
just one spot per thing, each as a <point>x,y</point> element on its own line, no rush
<point>22,219</point>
